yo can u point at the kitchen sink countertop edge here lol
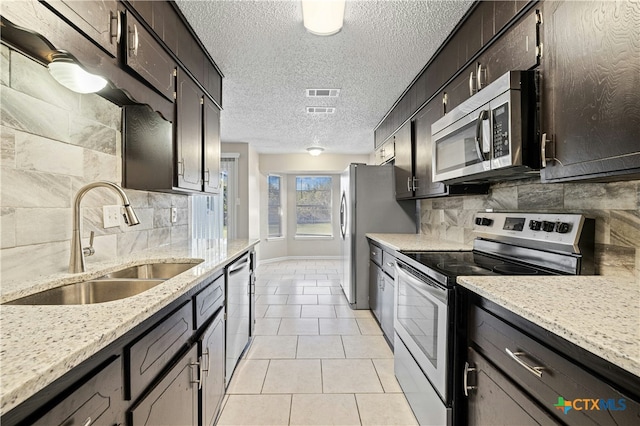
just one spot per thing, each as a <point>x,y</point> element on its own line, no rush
<point>600,314</point>
<point>40,343</point>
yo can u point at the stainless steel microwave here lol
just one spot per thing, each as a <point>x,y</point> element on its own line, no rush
<point>491,136</point>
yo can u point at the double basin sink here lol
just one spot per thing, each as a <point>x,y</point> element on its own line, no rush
<point>115,285</point>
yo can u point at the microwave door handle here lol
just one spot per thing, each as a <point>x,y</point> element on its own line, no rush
<point>484,115</point>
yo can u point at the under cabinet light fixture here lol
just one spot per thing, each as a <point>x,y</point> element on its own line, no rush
<point>323,17</point>
<point>315,150</point>
<point>72,76</point>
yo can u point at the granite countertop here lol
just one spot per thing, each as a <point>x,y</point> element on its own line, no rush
<point>597,313</point>
<point>41,343</point>
<point>418,242</point>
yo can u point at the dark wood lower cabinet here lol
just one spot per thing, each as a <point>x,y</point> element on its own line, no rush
<point>495,400</point>
<point>98,401</point>
<point>174,400</point>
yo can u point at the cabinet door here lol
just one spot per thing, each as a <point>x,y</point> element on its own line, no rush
<point>387,306</point>
<point>211,139</point>
<point>98,401</point>
<point>496,400</point>
<point>174,400</point>
<point>590,92</point>
<point>403,165</point>
<point>189,133</point>
<point>517,49</point>
<point>98,19</point>
<point>374,290</point>
<point>212,355</point>
<point>147,58</point>
<point>423,151</point>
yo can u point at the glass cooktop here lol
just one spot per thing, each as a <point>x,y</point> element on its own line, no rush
<point>457,263</point>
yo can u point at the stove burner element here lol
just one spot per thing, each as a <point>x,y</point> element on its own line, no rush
<point>461,268</point>
<point>514,269</point>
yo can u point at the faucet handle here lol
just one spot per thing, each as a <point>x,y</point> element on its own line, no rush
<point>89,251</point>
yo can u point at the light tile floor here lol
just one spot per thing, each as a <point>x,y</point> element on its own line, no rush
<point>313,361</point>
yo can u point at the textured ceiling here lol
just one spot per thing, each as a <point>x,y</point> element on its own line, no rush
<point>269,59</point>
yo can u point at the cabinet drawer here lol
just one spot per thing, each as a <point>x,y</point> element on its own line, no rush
<point>97,401</point>
<point>375,254</point>
<point>209,300</point>
<point>559,378</point>
<point>389,263</point>
<point>149,355</point>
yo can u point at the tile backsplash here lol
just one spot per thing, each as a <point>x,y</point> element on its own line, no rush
<point>54,141</point>
<point>615,206</point>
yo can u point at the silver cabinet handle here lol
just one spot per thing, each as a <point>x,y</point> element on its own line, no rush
<point>472,86</point>
<point>414,185</point>
<point>536,371</point>
<point>206,176</point>
<point>117,31</point>
<point>88,421</point>
<point>134,41</point>
<point>465,378</point>
<point>197,380</point>
<point>547,151</point>
<point>479,76</point>
<point>409,183</point>
<point>390,264</point>
<point>445,100</point>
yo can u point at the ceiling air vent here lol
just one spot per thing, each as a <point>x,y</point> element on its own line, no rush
<point>323,93</point>
<point>321,110</point>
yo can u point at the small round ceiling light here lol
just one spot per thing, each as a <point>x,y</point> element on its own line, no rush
<point>72,76</point>
<point>315,150</point>
<point>323,17</point>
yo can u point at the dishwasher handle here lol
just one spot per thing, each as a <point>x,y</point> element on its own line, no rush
<point>239,266</point>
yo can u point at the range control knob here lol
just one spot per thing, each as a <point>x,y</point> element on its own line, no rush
<point>483,221</point>
<point>535,225</point>
<point>548,226</point>
<point>563,227</point>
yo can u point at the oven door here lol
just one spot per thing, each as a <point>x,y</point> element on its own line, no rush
<point>422,322</point>
<point>463,148</point>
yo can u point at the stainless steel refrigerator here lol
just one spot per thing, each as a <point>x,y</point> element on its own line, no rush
<point>368,205</point>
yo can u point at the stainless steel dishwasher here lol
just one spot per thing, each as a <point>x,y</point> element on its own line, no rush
<point>238,311</point>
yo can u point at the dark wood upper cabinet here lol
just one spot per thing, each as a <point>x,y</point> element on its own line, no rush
<point>591,87</point>
<point>211,140</point>
<point>148,59</point>
<point>98,19</point>
<point>425,187</point>
<point>188,128</point>
<point>403,164</point>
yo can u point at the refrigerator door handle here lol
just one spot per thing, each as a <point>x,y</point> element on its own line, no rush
<point>343,215</point>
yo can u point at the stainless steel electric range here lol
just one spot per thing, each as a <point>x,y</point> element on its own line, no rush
<point>426,342</point>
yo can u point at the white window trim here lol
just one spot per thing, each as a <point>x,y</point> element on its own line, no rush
<point>283,217</point>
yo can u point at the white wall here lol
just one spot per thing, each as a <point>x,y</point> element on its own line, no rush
<point>288,166</point>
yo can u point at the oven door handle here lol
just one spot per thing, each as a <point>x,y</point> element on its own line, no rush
<point>429,289</point>
<point>482,116</point>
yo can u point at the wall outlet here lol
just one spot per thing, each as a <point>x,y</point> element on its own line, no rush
<point>111,216</point>
<point>174,214</point>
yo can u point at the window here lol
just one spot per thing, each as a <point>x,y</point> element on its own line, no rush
<point>313,206</point>
<point>275,206</point>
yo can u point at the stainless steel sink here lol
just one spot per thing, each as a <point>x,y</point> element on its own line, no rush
<point>115,285</point>
<point>86,292</point>
<point>161,271</point>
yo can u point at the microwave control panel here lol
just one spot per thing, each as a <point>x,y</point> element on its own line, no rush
<point>500,120</point>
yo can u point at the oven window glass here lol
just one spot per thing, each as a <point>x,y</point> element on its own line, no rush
<point>418,315</point>
<point>457,150</point>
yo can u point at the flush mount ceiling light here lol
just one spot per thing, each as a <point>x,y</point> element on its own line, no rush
<point>72,76</point>
<point>315,150</point>
<point>323,17</point>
